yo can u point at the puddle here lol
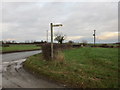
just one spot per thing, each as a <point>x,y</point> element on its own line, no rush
<point>17,64</point>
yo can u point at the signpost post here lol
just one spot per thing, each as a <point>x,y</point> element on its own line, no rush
<point>51,26</point>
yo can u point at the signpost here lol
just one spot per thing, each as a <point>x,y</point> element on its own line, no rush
<point>51,26</point>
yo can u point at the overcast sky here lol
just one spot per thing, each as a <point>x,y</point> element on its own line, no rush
<point>30,20</point>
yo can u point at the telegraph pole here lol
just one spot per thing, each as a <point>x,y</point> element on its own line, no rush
<point>47,36</point>
<point>94,37</point>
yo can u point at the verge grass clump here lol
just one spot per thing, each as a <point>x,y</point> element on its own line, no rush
<point>59,58</point>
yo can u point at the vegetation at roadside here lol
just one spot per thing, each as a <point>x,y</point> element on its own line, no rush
<point>82,67</point>
<point>11,48</point>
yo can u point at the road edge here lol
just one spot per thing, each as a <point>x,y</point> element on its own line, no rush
<point>18,51</point>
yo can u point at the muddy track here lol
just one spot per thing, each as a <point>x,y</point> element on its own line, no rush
<point>14,76</point>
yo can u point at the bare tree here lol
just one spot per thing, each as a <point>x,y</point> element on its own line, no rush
<point>70,41</point>
<point>60,37</point>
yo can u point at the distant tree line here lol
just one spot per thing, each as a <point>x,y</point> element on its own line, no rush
<point>25,42</point>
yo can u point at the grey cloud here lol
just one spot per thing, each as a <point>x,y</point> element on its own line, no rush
<point>31,20</point>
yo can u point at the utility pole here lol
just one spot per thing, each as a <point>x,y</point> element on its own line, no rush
<point>94,37</point>
<point>47,36</point>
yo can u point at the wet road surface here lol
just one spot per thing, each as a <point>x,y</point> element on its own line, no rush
<point>14,76</point>
<point>16,56</point>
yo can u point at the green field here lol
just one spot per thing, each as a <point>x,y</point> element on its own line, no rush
<point>83,67</point>
<point>12,48</point>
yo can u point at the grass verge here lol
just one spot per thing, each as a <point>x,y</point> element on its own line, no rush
<point>82,68</point>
